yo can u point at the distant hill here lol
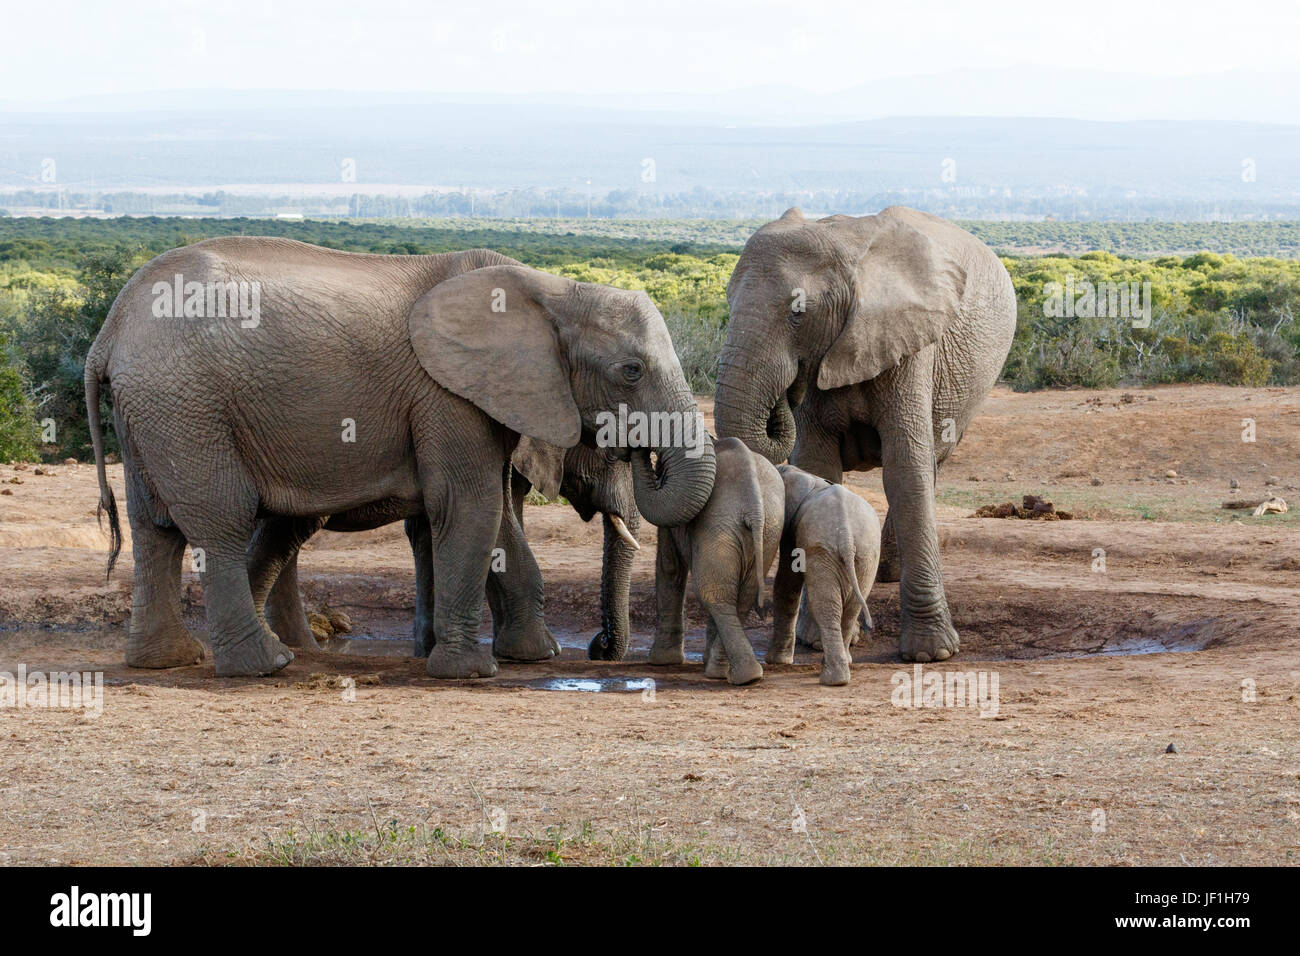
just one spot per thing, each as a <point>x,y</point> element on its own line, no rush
<point>561,159</point>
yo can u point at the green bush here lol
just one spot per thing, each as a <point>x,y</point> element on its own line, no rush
<point>19,432</point>
<point>54,335</point>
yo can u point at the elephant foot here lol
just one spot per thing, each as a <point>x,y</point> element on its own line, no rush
<point>745,672</point>
<point>665,652</point>
<point>254,655</point>
<point>717,668</point>
<point>291,628</point>
<point>172,648</point>
<point>534,643</point>
<point>423,642</point>
<point>834,673</point>
<point>461,663</point>
<point>302,641</point>
<point>605,647</point>
<point>927,639</point>
<point>780,653</point>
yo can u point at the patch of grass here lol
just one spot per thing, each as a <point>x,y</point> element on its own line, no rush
<point>394,844</point>
<point>535,497</point>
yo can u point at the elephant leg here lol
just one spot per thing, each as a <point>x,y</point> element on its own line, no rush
<point>515,593</point>
<point>787,591</point>
<point>828,612</point>
<point>806,626</point>
<point>156,635</point>
<point>671,569</point>
<point>716,665</point>
<point>421,539</point>
<point>463,540</point>
<point>284,612</point>
<point>219,533</point>
<point>273,577</point>
<point>887,569</point>
<point>906,432</point>
<point>731,650</point>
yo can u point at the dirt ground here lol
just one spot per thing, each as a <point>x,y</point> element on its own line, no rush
<point>1155,617</point>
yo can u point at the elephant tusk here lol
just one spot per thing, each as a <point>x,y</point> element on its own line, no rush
<point>623,533</point>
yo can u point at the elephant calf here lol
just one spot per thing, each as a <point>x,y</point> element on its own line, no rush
<point>727,548</point>
<point>831,543</point>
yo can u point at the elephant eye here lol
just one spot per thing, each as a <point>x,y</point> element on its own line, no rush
<point>797,316</point>
<point>632,371</point>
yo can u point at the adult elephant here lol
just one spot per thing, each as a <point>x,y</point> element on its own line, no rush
<point>857,343</point>
<point>393,385</point>
<point>591,480</point>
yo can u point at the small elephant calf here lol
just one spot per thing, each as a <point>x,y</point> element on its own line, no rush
<point>727,549</point>
<point>831,544</point>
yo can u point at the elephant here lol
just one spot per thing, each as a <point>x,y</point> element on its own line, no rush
<point>727,549</point>
<point>830,546</point>
<point>357,385</point>
<point>591,480</point>
<point>857,343</point>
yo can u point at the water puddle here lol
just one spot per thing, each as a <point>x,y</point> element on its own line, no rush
<point>593,685</point>
<point>638,644</point>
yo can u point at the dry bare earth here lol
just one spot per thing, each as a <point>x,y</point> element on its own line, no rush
<point>182,767</point>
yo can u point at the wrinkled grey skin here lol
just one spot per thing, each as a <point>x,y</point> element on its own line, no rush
<point>727,550</point>
<point>592,481</point>
<point>440,362</point>
<point>837,535</point>
<point>906,324</point>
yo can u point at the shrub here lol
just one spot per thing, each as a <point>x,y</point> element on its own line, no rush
<point>18,429</point>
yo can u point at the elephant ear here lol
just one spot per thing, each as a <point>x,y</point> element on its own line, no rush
<point>490,335</point>
<point>542,464</point>
<point>907,289</point>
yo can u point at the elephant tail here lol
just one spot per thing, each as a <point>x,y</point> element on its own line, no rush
<point>848,567</point>
<point>95,365</point>
<point>755,525</point>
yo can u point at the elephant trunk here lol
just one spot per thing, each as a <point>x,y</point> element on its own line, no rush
<point>753,403</point>
<point>615,580</point>
<point>678,489</point>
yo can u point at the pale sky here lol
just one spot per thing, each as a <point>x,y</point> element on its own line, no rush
<point>56,48</point>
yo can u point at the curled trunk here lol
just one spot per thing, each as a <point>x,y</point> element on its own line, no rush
<point>752,406</point>
<point>675,491</point>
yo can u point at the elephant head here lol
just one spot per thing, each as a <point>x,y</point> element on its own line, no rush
<point>826,304</point>
<point>558,361</point>
<point>594,481</point>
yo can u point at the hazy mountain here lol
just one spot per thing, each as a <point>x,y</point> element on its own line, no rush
<point>752,142</point>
